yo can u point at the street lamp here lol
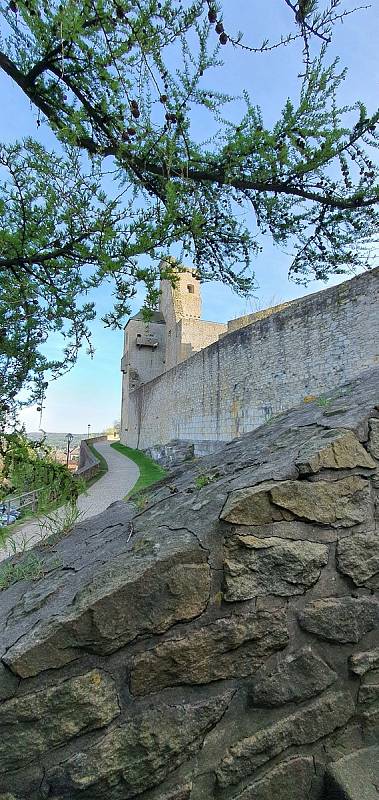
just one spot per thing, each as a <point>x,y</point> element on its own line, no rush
<point>88,426</point>
<point>69,438</point>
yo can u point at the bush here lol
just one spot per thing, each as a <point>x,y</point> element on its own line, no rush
<point>30,465</point>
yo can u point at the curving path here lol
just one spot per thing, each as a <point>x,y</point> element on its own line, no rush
<point>114,485</point>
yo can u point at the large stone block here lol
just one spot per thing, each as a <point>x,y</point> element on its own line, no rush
<point>150,588</point>
<point>362,662</point>
<point>290,780</point>
<point>344,502</point>
<point>333,449</point>
<point>358,557</point>
<point>231,647</point>
<point>341,619</point>
<point>310,723</point>
<point>138,754</point>
<point>33,723</point>
<point>292,678</point>
<point>354,777</point>
<point>254,566</point>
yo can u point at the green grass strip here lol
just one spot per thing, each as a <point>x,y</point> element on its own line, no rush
<point>103,466</point>
<point>150,471</point>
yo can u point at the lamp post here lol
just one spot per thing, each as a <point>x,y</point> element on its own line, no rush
<point>69,438</point>
<point>88,427</point>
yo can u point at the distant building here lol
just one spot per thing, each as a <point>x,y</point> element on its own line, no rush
<point>173,334</point>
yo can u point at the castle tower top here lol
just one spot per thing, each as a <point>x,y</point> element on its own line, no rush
<point>184,297</point>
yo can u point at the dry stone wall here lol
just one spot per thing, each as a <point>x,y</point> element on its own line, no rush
<point>219,641</point>
<point>237,383</point>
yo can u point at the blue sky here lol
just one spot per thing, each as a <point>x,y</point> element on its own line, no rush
<point>91,392</point>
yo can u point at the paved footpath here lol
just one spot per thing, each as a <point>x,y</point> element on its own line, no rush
<point>114,485</point>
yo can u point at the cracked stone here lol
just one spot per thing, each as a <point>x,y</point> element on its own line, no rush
<point>33,723</point>
<point>255,566</point>
<point>138,754</point>
<point>369,689</point>
<point>343,502</point>
<point>291,679</point>
<point>230,647</point>
<point>317,719</point>
<point>362,662</point>
<point>333,449</point>
<point>179,793</point>
<point>355,776</point>
<point>8,683</point>
<point>358,557</point>
<point>290,780</point>
<point>340,619</point>
<point>369,718</point>
<point>163,582</point>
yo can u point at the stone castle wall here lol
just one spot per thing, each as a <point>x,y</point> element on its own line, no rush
<point>240,381</point>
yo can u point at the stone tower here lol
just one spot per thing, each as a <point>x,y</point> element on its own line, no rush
<point>143,358</point>
<point>173,334</point>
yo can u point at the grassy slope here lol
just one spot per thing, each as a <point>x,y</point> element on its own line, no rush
<point>103,466</point>
<point>150,472</point>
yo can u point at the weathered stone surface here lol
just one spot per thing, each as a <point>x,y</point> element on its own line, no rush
<point>290,780</point>
<point>179,793</point>
<point>292,678</point>
<point>341,619</point>
<point>163,582</point>
<point>354,777</point>
<point>358,557</point>
<point>250,506</point>
<point>307,725</point>
<point>230,647</point>
<point>255,566</point>
<point>343,502</point>
<point>362,662</point>
<point>138,595</point>
<point>333,449</point>
<point>369,689</point>
<point>369,719</point>
<point>8,683</point>
<point>374,438</point>
<point>32,723</point>
<point>138,754</point>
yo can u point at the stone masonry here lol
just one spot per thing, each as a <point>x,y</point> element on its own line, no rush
<point>171,335</point>
<point>220,641</point>
<point>256,367</point>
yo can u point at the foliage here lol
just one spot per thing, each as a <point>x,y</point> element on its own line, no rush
<point>57,524</point>
<point>29,465</point>
<point>100,458</point>
<point>150,472</point>
<point>204,480</point>
<point>121,84</point>
<point>30,568</point>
